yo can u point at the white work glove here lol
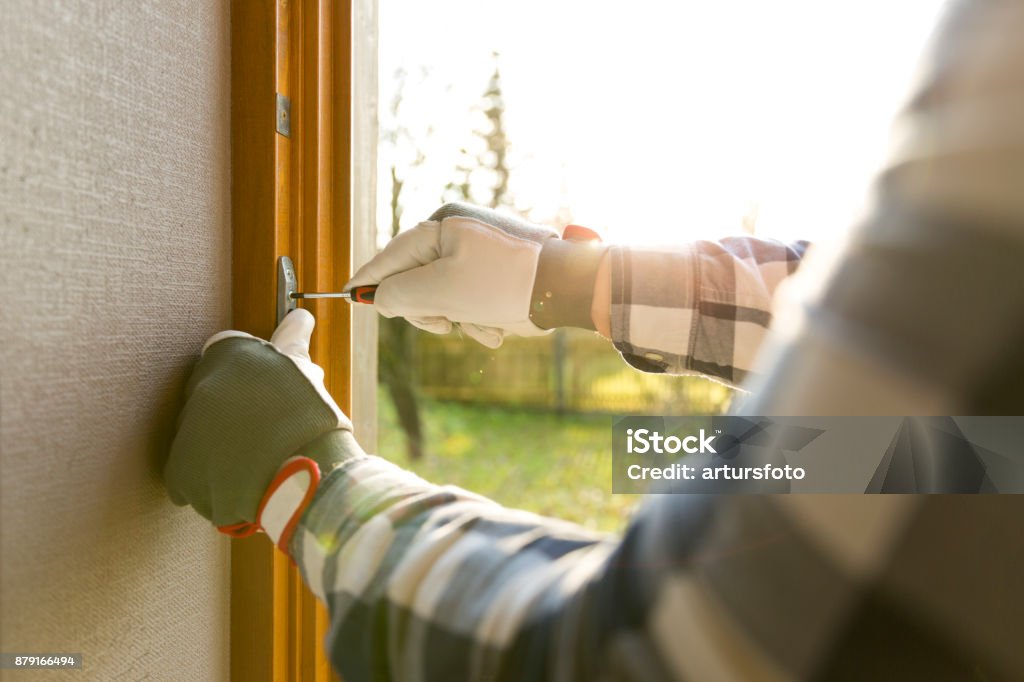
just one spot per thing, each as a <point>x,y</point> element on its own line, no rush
<point>465,265</point>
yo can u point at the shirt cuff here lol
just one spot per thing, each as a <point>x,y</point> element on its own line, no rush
<point>563,290</point>
<point>653,306</point>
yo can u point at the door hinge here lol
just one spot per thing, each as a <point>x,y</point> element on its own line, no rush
<point>284,115</point>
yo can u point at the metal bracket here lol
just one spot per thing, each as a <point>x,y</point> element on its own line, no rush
<point>287,284</point>
<point>287,296</point>
<point>284,115</point>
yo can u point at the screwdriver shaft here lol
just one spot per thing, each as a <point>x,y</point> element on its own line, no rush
<point>317,294</point>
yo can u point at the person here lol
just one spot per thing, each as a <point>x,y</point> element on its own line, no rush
<point>921,313</point>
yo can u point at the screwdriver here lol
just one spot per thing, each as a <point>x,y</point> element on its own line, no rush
<point>362,294</point>
<point>287,283</point>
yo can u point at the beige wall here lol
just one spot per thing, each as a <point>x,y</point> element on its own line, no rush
<point>114,262</point>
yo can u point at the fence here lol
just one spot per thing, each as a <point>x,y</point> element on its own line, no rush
<point>571,370</point>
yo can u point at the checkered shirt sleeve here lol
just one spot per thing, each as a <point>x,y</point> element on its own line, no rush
<point>702,308</point>
<point>435,584</point>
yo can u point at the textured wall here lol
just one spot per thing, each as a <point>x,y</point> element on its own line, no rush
<point>114,262</point>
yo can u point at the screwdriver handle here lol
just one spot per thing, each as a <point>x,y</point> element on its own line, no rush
<point>363,294</point>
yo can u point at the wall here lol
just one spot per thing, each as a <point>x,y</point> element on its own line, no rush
<point>114,262</point>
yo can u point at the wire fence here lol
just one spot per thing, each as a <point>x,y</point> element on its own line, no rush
<point>571,370</point>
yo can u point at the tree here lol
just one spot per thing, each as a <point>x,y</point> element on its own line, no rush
<point>397,337</point>
<point>492,159</point>
<point>396,363</point>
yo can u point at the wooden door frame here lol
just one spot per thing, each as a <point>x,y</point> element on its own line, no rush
<point>293,195</point>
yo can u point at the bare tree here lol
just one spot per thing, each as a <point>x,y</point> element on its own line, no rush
<point>396,360</point>
<point>397,337</point>
<point>493,159</point>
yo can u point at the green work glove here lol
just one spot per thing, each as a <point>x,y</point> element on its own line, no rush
<point>250,405</point>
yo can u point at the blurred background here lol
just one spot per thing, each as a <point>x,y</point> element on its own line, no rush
<point>656,123</point>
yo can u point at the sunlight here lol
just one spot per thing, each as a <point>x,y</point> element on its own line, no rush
<point>669,122</point>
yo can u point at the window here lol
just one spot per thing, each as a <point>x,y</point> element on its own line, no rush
<point>656,123</point>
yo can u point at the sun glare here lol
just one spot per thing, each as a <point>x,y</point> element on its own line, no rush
<point>657,123</point>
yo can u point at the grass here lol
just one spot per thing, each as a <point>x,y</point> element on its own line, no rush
<point>524,372</point>
<point>554,465</point>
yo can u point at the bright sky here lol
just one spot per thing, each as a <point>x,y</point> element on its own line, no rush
<point>654,121</point>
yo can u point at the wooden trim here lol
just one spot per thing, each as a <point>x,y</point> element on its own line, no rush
<point>290,196</point>
<point>258,648</point>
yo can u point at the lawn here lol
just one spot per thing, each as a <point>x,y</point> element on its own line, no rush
<point>550,464</point>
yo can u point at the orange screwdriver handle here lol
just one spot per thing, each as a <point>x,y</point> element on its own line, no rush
<point>363,294</point>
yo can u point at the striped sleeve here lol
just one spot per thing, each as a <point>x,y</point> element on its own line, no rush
<point>702,308</point>
<point>428,584</point>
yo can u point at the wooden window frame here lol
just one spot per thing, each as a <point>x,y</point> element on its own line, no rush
<point>300,195</point>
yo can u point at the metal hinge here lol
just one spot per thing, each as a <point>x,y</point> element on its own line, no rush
<point>287,284</point>
<point>288,297</point>
<point>284,115</point>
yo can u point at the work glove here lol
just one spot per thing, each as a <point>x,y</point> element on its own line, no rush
<point>257,431</point>
<point>490,273</point>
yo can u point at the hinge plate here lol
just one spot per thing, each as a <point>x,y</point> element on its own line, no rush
<point>287,284</point>
<point>284,115</point>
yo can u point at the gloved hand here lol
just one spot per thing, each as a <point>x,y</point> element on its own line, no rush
<point>250,405</point>
<point>490,273</point>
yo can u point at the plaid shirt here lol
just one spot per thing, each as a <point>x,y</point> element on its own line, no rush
<point>703,308</point>
<point>433,583</point>
<point>922,315</point>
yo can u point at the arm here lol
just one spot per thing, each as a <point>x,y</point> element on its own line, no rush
<point>435,584</point>
<point>702,308</point>
<point>432,583</point>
